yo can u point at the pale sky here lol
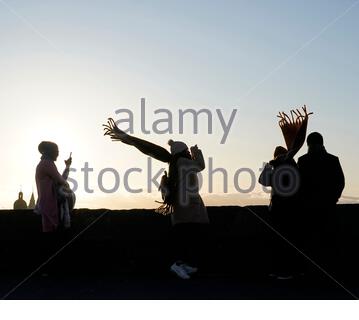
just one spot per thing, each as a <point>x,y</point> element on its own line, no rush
<point>66,66</point>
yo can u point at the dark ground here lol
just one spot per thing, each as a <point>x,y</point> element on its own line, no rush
<point>126,255</point>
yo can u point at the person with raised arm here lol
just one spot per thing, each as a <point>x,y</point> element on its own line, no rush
<point>181,198</point>
<point>282,175</point>
<point>51,185</point>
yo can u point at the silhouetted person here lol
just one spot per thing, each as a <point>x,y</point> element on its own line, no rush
<point>20,203</point>
<point>48,182</point>
<point>322,184</point>
<point>180,190</point>
<point>282,175</point>
<point>283,212</point>
<point>321,173</point>
<point>284,181</point>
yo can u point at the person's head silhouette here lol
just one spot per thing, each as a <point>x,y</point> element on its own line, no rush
<point>315,138</point>
<point>280,151</point>
<point>49,150</point>
<point>179,148</point>
<point>315,142</point>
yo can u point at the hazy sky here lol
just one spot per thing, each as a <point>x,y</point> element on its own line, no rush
<point>66,66</point>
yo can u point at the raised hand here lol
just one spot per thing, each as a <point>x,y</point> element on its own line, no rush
<point>289,126</point>
<point>294,127</point>
<point>110,128</point>
<point>302,119</point>
<point>194,149</point>
<point>68,162</point>
<point>116,134</point>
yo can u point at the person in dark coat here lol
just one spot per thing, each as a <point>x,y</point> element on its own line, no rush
<point>321,173</point>
<point>282,175</point>
<point>322,184</point>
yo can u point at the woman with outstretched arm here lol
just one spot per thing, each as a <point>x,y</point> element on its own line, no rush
<point>180,189</point>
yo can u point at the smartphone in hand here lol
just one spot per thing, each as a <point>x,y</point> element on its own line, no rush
<point>68,162</point>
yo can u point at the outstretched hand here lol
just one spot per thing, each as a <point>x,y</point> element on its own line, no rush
<point>111,129</point>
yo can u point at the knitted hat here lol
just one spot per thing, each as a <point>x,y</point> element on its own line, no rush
<point>177,146</point>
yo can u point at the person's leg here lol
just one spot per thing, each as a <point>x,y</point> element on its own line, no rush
<point>199,245</point>
<point>311,238</point>
<point>180,254</point>
<point>282,249</point>
<point>283,255</point>
<point>275,242</point>
<point>50,244</point>
<point>298,238</point>
<point>179,238</point>
<point>295,259</point>
<point>329,239</point>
